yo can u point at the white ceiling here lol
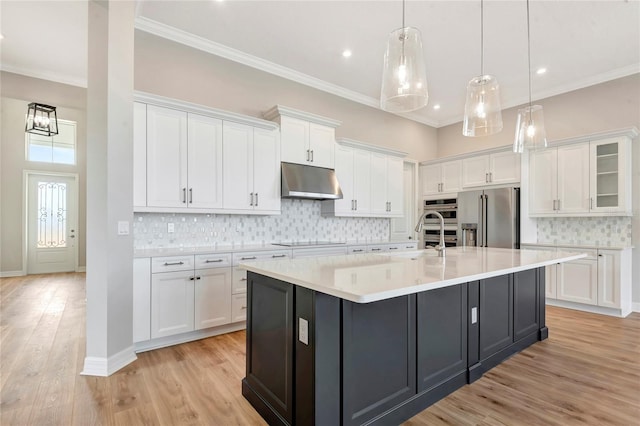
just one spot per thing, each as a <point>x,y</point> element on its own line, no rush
<point>580,42</point>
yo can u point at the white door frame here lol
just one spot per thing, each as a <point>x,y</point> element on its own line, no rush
<point>25,217</point>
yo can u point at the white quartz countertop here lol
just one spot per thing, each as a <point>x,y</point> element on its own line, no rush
<point>576,246</point>
<point>365,278</point>
<point>239,248</point>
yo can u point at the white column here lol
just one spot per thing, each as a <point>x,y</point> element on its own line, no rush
<point>109,187</point>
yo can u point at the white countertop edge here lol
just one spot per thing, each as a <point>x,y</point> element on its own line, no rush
<point>412,289</point>
<point>570,246</point>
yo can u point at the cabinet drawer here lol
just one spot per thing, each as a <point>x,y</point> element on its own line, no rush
<point>239,281</point>
<point>402,246</point>
<point>171,263</point>
<point>380,248</point>
<point>592,254</point>
<point>410,246</point>
<point>238,307</point>
<point>260,255</point>
<point>207,261</point>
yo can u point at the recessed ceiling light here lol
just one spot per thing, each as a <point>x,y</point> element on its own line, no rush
<point>436,106</point>
<point>346,53</point>
<point>541,71</point>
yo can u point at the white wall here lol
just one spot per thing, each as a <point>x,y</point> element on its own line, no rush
<point>16,93</point>
<point>170,69</point>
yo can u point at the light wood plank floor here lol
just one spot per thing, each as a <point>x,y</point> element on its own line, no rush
<point>587,372</point>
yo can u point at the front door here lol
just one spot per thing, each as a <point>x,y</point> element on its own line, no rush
<point>51,223</point>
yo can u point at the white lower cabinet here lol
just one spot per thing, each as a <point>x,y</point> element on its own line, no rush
<point>239,307</point>
<point>602,280</point>
<point>172,296</point>
<point>212,293</point>
<point>578,281</point>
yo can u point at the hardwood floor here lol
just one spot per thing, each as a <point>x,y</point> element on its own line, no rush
<point>587,372</point>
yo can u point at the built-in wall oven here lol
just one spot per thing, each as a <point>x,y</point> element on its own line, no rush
<point>448,208</point>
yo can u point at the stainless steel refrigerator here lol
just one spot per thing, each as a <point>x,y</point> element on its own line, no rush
<point>489,218</point>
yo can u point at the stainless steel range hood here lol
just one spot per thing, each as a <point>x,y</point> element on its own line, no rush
<point>314,183</point>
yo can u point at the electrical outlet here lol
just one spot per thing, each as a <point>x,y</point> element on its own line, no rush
<point>474,315</point>
<point>123,227</point>
<point>171,228</point>
<point>303,330</point>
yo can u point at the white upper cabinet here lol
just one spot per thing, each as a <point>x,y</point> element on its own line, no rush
<point>305,138</point>
<point>189,158</point>
<point>610,166</point>
<point>581,179</point>
<point>441,178</point>
<point>205,162</point>
<point>251,169</point>
<point>139,154</point>
<point>371,179</point>
<point>491,169</point>
<point>166,157</point>
<point>386,185</point>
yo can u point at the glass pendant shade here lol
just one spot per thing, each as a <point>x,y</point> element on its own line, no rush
<point>530,132</point>
<point>41,120</point>
<point>404,76</point>
<point>482,112</point>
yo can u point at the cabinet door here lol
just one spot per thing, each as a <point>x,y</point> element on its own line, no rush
<point>139,154</point>
<point>525,304</point>
<point>378,186</point>
<point>609,278</point>
<point>451,176</point>
<point>442,318</point>
<point>345,175</point>
<point>608,176</point>
<point>362,181</point>
<point>294,136</point>
<point>578,281</point>
<point>141,299</point>
<point>237,155</point>
<point>205,162</point>
<point>266,169</point>
<point>166,157</point>
<point>171,303</point>
<point>573,179</point>
<point>543,181</point>
<point>395,186</point>
<point>475,171</point>
<point>430,179</point>
<point>504,167</point>
<point>212,303</point>
<point>239,280</point>
<point>322,140</point>
<point>496,315</point>
<point>238,307</point>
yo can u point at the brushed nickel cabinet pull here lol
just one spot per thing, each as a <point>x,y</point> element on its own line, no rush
<point>190,195</point>
<point>213,261</point>
<point>173,263</point>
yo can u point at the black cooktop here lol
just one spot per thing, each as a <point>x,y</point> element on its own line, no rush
<point>308,243</point>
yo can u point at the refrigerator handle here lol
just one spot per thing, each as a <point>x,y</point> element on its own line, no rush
<point>485,239</point>
<point>481,222</point>
<point>516,219</point>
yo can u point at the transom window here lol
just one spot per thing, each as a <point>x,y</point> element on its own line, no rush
<point>59,149</point>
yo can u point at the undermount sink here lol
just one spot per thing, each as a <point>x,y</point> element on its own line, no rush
<point>412,254</point>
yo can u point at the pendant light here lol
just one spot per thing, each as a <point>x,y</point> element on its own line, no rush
<point>41,119</point>
<point>482,112</point>
<point>530,132</point>
<point>404,77</point>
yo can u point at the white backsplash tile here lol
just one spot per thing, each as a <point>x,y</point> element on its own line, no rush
<point>595,231</point>
<point>300,221</point>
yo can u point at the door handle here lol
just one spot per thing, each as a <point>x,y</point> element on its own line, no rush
<point>251,202</point>
<point>173,263</point>
<point>213,261</point>
<point>248,258</point>
<point>591,203</point>
<point>356,205</point>
<point>184,195</point>
<point>190,195</point>
<point>312,156</point>
<point>308,157</point>
<point>276,256</point>
<point>256,198</point>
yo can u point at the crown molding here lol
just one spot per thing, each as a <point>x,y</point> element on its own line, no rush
<point>183,37</point>
<point>280,110</point>
<point>352,143</point>
<point>44,75</point>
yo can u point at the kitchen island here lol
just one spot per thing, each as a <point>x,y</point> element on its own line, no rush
<point>375,339</point>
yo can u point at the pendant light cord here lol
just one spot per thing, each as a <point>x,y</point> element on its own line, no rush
<point>403,14</point>
<point>481,37</point>
<point>529,56</point>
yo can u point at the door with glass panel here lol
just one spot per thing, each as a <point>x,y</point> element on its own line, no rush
<point>608,190</point>
<point>51,223</point>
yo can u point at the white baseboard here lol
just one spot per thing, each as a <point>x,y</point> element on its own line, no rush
<point>7,274</point>
<point>81,269</point>
<point>162,342</point>
<point>635,306</point>
<point>97,366</point>
<point>588,308</point>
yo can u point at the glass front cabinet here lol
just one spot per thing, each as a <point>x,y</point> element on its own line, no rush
<point>610,170</point>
